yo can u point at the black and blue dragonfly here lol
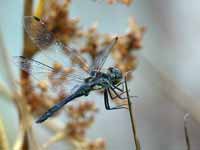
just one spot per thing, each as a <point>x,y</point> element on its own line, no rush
<point>111,80</point>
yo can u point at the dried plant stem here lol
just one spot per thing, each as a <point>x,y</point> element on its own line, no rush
<point>39,9</point>
<point>5,91</point>
<point>18,99</point>
<point>10,79</point>
<point>5,60</point>
<point>57,137</point>
<point>26,141</point>
<point>19,142</point>
<point>3,137</point>
<point>29,48</point>
<point>78,145</point>
<point>25,138</point>
<point>187,139</point>
<point>136,139</point>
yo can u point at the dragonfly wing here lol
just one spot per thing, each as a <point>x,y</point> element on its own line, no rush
<point>45,40</point>
<point>31,66</point>
<point>102,56</point>
<point>41,71</point>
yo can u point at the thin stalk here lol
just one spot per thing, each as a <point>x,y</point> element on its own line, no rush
<point>136,139</point>
<point>5,91</point>
<point>187,139</point>
<point>39,9</point>
<point>57,137</point>
<point>4,145</point>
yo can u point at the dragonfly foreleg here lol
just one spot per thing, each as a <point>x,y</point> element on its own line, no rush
<point>107,106</point>
<point>117,87</point>
<point>121,83</point>
<point>113,87</point>
<point>116,96</point>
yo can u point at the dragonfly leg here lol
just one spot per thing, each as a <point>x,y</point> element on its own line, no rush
<point>116,87</point>
<point>107,106</point>
<point>116,96</point>
<point>120,83</point>
<point>118,107</point>
<point>119,95</point>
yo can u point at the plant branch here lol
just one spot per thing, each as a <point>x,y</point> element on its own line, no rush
<point>29,48</point>
<point>187,139</point>
<point>136,139</point>
<point>3,137</point>
<point>5,91</point>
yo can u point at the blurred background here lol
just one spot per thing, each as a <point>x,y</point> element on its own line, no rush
<point>166,80</point>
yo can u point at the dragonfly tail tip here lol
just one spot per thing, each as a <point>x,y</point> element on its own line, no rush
<point>41,119</point>
<point>38,121</point>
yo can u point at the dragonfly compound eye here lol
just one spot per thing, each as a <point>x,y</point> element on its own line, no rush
<point>115,73</point>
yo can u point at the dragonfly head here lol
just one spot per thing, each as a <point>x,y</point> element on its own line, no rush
<point>115,74</point>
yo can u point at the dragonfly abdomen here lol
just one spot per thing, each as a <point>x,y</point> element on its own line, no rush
<point>84,90</point>
<point>56,107</point>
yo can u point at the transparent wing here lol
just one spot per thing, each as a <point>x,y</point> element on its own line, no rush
<point>45,40</point>
<point>39,70</point>
<point>102,56</point>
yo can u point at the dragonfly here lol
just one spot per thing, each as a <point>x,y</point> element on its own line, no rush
<point>110,80</point>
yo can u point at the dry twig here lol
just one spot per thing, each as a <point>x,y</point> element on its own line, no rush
<point>136,139</point>
<point>4,145</point>
<point>187,139</point>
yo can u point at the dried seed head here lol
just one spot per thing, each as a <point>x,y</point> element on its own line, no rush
<point>100,143</point>
<point>57,66</point>
<point>67,70</point>
<point>91,145</point>
<point>43,85</point>
<point>127,2</point>
<point>89,105</point>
